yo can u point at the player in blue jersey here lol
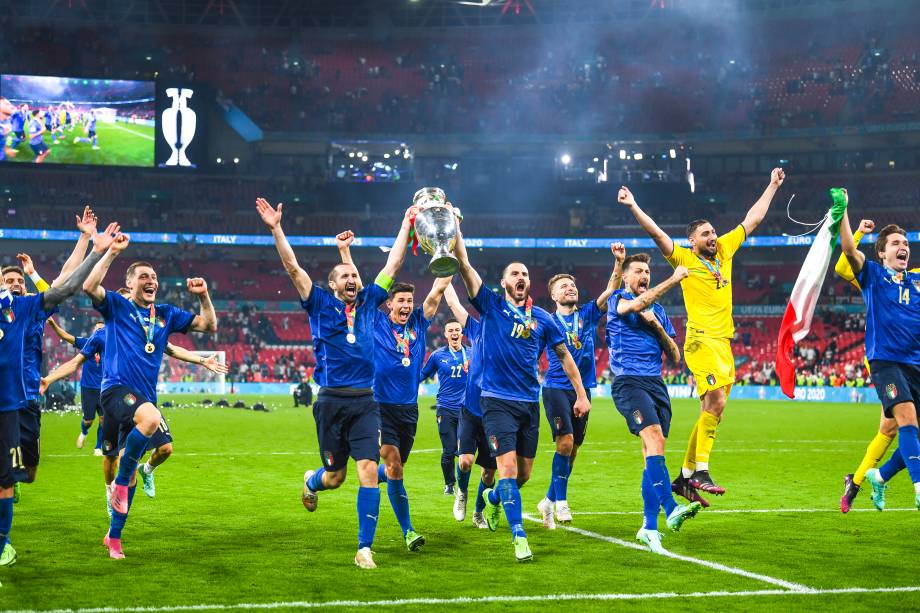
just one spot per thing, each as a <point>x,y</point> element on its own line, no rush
<point>36,133</point>
<point>347,417</point>
<point>18,315</point>
<point>579,325</point>
<point>472,445</point>
<point>19,117</point>
<point>90,129</point>
<point>136,334</point>
<point>637,331</point>
<point>892,296</point>
<point>517,334</point>
<point>451,364</point>
<point>7,114</point>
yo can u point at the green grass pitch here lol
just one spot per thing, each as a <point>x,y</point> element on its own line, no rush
<point>227,526</point>
<point>120,145</point>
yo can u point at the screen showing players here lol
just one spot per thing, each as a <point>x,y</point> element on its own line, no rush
<point>66,120</point>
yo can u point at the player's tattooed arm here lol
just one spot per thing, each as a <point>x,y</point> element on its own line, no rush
<point>662,240</point>
<point>112,242</point>
<point>619,254</point>
<point>471,278</point>
<point>63,371</point>
<point>667,343</point>
<point>651,296</point>
<point>206,320</point>
<point>64,335</point>
<point>855,257</point>
<point>757,212</point>
<point>343,241</point>
<point>456,307</point>
<point>101,244</point>
<point>397,254</point>
<point>272,218</point>
<point>582,405</point>
<point>86,224</point>
<point>184,355</point>
<point>433,300</point>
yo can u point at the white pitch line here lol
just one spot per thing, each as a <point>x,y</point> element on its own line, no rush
<point>217,454</point>
<point>710,511</point>
<point>406,602</point>
<point>789,585</point>
<point>147,136</point>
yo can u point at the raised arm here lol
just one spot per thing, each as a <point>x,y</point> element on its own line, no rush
<point>582,405</point>
<point>86,224</point>
<point>453,303</point>
<point>650,297</point>
<point>211,362</point>
<point>843,268</point>
<point>28,267</point>
<point>850,249</point>
<point>667,343</point>
<point>757,212</point>
<point>272,218</point>
<point>101,243</point>
<point>343,241</point>
<point>63,371</point>
<point>619,254</point>
<point>206,320</point>
<point>664,242</point>
<point>397,253</point>
<point>92,285</point>
<point>471,278</point>
<point>433,300</point>
<point>65,336</point>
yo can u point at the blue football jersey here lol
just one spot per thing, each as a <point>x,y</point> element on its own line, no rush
<point>92,348</point>
<point>580,331</point>
<point>634,347</point>
<point>892,313</point>
<point>395,383</point>
<point>452,368</point>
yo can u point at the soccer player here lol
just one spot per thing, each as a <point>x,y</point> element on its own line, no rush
<point>90,132</point>
<point>347,417</point>
<point>471,437</point>
<point>892,296</point>
<point>17,317</point>
<point>451,364</point>
<point>517,334</point>
<point>19,116</point>
<point>708,300</point>
<point>638,330</point>
<point>36,141</point>
<point>399,352</point>
<point>136,333</point>
<point>579,326</point>
<point>7,113</point>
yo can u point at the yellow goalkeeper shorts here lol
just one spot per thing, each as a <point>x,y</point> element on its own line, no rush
<point>711,362</point>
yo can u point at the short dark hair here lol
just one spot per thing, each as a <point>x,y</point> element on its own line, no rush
<point>7,269</point>
<point>556,278</point>
<point>335,268</point>
<point>509,264</point>
<point>452,320</point>
<point>636,257</point>
<point>693,225</point>
<point>400,288</point>
<point>134,266</point>
<point>882,241</point>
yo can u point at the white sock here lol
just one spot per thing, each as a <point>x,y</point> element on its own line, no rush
<point>702,465</point>
<point>917,488</point>
<point>686,473</point>
<point>147,468</point>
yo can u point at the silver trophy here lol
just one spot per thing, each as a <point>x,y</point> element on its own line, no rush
<point>436,230</point>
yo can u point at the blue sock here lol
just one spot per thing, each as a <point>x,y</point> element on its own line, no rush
<point>381,474</point>
<point>494,497</point>
<point>95,141</point>
<point>480,503</point>
<point>368,511</point>
<point>98,437</point>
<point>511,503</point>
<point>131,490</point>
<point>463,480</point>
<point>650,503</point>
<point>560,482</point>
<point>135,446</point>
<point>315,482</point>
<point>893,466</point>
<point>6,520</point>
<point>658,475</point>
<point>909,445</point>
<point>399,500</point>
<point>84,427</point>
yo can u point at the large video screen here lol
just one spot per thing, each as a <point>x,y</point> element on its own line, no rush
<point>66,120</point>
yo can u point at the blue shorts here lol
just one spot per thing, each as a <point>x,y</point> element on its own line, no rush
<point>642,401</point>
<point>347,426</point>
<point>12,468</point>
<point>558,405</point>
<point>398,423</point>
<point>39,149</point>
<point>20,134</point>
<point>471,439</point>
<point>91,134</point>
<point>91,401</point>
<point>895,383</point>
<point>448,430</point>
<point>30,429</point>
<point>161,437</point>
<point>118,406</point>
<point>511,425</point>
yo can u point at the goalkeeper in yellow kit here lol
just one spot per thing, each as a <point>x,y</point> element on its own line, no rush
<point>710,328</point>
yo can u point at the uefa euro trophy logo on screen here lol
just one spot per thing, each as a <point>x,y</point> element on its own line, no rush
<point>177,136</point>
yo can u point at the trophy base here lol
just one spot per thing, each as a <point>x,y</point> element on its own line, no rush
<point>443,266</point>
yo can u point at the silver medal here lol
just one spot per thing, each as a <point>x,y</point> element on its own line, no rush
<point>351,338</point>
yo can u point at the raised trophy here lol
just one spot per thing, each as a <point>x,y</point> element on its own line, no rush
<point>436,230</point>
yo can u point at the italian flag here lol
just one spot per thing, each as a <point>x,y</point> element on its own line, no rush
<point>797,319</point>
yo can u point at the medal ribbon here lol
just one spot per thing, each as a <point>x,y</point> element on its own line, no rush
<point>6,301</point>
<point>403,340</point>
<point>149,329</point>
<point>350,317</point>
<point>527,316</point>
<point>896,277</point>
<point>716,272</point>
<point>466,363</point>
<point>571,333</point>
